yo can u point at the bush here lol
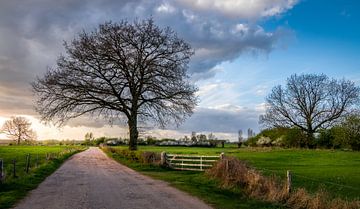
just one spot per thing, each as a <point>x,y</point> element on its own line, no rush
<point>151,141</point>
<point>264,141</point>
<point>252,141</point>
<point>294,137</point>
<point>283,137</point>
<point>136,156</point>
<point>344,135</point>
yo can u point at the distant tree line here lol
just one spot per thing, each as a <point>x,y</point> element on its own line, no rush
<point>195,140</point>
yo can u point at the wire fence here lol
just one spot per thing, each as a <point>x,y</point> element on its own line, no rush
<point>13,168</point>
<point>324,182</point>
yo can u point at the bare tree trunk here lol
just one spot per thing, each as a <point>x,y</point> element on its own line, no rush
<point>133,132</point>
<point>18,140</point>
<point>310,139</point>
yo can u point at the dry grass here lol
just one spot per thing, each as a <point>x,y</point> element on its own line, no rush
<point>232,173</point>
<point>235,173</point>
<point>150,157</point>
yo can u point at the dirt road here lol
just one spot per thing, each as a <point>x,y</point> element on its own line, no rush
<point>91,180</point>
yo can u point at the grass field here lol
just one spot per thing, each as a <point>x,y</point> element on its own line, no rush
<point>337,172</point>
<point>13,189</point>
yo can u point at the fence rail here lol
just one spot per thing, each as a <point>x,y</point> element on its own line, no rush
<point>190,162</point>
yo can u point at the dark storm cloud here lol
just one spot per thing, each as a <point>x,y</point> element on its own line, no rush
<point>32,33</point>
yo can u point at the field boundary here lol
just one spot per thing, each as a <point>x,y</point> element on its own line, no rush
<point>190,162</point>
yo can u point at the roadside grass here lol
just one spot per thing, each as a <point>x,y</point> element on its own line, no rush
<point>14,189</point>
<point>199,185</point>
<point>335,171</point>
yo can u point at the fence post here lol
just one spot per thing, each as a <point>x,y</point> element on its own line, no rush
<point>1,170</point>
<point>201,167</point>
<point>222,156</point>
<point>27,163</point>
<point>288,181</point>
<point>14,168</point>
<point>163,159</point>
<point>37,161</point>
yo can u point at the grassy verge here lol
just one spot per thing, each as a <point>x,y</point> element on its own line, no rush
<point>197,184</point>
<point>335,171</point>
<point>14,189</point>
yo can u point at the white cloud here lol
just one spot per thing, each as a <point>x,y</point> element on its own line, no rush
<point>260,108</point>
<point>261,90</point>
<point>247,9</point>
<point>165,8</point>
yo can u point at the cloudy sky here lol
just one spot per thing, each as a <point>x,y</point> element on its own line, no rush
<point>242,49</point>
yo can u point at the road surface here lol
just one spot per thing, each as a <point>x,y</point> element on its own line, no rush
<point>91,180</point>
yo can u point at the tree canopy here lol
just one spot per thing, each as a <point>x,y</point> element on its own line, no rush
<point>132,70</point>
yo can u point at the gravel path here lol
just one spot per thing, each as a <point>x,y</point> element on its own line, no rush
<point>91,180</point>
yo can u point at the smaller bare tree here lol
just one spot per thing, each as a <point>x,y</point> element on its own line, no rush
<point>19,129</point>
<point>309,102</point>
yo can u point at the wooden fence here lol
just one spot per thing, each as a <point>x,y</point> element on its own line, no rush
<point>30,162</point>
<point>189,162</point>
<point>1,170</point>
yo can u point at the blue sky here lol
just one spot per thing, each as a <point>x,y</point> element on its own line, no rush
<point>325,39</point>
<point>242,49</point>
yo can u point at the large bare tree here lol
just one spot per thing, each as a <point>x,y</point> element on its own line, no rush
<point>136,70</point>
<point>309,102</point>
<point>19,129</point>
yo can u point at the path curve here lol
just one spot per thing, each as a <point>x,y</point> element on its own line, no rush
<point>91,180</point>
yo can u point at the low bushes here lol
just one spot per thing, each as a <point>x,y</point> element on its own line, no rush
<point>231,172</point>
<point>136,156</point>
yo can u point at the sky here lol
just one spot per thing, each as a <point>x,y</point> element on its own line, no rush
<point>242,50</point>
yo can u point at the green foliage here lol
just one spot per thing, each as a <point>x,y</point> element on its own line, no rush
<point>351,128</point>
<point>282,137</point>
<point>151,140</point>
<point>344,135</point>
<point>252,141</point>
<point>294,137</point>
<point>274,133</point>
<point>334,138</point>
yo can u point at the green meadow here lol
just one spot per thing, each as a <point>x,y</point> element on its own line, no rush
<point>335,171</point>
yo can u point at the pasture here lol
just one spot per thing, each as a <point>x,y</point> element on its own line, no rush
<point>43,161</point>
<point>335,171</point>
